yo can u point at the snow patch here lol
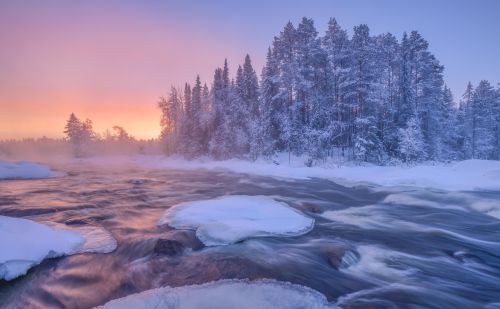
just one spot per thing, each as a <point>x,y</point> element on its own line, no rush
<point>25,170</point>
<point>26,243</point>
<point>230,219</point>
<point>226,294</point>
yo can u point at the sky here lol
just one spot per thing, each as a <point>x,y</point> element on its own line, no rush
<point>110,60</point>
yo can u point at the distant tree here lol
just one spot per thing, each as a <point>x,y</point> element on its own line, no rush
<point>79,133</point>
<point>121,134</point>
<point>73,130</point>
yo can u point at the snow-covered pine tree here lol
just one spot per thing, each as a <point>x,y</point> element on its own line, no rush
<point>197,134</point>
<point>219,145</point>
<point>284,49</point>
<point>411,144</point>
<point>406,104</point>
<point>337,47</point>
<point>171,109</point>
<point>467,123</point>
<point>451,142</point>
<point>185,125</point>
<point>248,90</point>
<point>374,96</point>
<point>270,108</point>
<point>205,119</point>
<point>496,115</point>
<point>426,80</point>
<point>388,64</point>
<point>311,91</point>
<point>363,95</point>
<point>484,122</point>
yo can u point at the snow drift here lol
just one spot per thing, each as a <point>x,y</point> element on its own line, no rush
<point>230,219</point>
<point>26,243</point>
<point>226,294</point>
<point>24,170</point>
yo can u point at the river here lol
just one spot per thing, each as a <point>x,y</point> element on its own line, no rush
<point>371,247</point>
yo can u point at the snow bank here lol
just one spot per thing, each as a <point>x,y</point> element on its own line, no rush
<point>230,219</point>
<point>457,176</point>
<point>25,243</point>
<point>226,294</point>
<point>24,170</point>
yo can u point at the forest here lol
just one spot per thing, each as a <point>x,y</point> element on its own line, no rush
<point>360,98</point>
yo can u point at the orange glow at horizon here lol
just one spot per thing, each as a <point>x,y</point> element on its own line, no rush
<point>140,120</point>
<point>108,65</point>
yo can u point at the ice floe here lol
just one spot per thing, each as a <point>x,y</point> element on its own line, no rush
<point>25,243</point>
<point>226,294</point>
<point>25,170</point>
<point>230,219</point>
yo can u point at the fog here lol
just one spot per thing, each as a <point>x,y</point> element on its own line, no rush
<point>46,150</point>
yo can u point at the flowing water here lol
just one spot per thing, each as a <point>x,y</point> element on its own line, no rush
<point>370,247</point>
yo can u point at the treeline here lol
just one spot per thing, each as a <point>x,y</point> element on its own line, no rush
<point>366,98</point>
<point>86,141</point>
<point>80,132</point>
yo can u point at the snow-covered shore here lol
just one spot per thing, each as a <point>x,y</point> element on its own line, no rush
<point>454,176</point>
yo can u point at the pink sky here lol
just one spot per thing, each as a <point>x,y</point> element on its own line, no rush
<point>103,63</point>
<point>110,60</point>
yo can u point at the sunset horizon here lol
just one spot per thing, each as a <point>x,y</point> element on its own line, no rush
<point>112,63</point>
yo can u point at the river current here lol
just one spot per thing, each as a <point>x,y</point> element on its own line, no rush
<point>371,247</point>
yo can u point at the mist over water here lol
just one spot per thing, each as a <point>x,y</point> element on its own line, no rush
<point>370,246</point>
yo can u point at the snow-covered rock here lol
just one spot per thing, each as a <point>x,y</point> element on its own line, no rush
<point>226,294</point>
<point>24,170</point>
<point>25,243</point>
<point>230,219</point>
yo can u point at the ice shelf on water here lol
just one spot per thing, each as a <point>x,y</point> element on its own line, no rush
<point>230,219</point>
<point>226,294</point>
<point>25,170</point>
<point>25,243</point>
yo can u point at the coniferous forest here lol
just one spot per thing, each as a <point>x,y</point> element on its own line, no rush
<point>361,97</point>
